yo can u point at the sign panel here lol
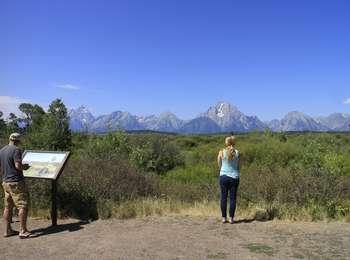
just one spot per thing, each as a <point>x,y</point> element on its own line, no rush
<point>44,164</point>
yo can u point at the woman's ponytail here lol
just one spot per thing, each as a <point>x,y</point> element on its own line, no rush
<point>231,153</point>
<point>230,142</point>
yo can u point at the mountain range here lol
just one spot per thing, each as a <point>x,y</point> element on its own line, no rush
<point>223,117</point>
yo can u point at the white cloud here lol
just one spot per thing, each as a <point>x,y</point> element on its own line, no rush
<point>10,104</point>
<point>68,87</point>
<point>347,101</point>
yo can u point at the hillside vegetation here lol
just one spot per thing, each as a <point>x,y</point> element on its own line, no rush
<point>295,176</point>
<point>300,176</point>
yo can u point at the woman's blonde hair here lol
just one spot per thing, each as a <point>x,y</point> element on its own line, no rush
<point>230,143</point>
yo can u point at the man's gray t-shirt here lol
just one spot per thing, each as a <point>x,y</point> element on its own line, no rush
<point>8,156</point>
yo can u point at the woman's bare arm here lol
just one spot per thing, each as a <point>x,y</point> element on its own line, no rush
<point>239,161</point>
<point>220,159</point>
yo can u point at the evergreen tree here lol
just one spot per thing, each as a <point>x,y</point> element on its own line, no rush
<point>2,125</point>
<point>32,125</point>
<point>33,115</point>
<point>12,123</point>
<point>55,133</point>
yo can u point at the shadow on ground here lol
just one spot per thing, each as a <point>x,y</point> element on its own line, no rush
<point>70,227</point>
<point>240,221</point>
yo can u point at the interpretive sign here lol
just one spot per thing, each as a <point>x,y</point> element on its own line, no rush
<point>46,165</point>
<point>43,164</point>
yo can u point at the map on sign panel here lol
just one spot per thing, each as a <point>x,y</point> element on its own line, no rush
<point>46,165</point>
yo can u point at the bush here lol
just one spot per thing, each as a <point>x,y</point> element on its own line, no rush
<point>156,154</point>
<point>90,185</point>
<point>191,184</point>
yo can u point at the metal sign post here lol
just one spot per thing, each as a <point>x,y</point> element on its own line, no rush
<point>54,202</point>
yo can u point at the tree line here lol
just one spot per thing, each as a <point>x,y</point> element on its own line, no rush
<point>43,130</point>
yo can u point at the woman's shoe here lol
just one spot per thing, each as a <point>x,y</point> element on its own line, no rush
<point>224,220</point>
<point>25,235</point>
<point>232,221</point>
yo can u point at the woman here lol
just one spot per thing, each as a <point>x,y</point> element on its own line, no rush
<point>228,161</point>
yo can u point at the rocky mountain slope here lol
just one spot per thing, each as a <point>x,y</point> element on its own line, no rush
<point>223,117</point>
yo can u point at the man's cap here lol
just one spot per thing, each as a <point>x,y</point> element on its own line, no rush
<point>15,137</point>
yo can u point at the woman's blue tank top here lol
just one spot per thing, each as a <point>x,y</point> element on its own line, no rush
<point>230,167</point>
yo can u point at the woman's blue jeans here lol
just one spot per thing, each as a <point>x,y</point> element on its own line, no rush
<point>228,186</point>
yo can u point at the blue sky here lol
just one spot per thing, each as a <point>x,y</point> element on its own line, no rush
<point>145,57</point>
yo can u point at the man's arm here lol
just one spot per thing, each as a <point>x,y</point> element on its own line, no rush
<point>21,167</point>
<point>17,157</point>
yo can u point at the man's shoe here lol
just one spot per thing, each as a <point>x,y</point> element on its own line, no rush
<point>11,233</point>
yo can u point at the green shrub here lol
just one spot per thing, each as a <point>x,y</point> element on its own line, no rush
<point>156,154</point>
<point>89,185</point>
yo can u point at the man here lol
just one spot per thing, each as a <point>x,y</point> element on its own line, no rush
<point>16,193</point>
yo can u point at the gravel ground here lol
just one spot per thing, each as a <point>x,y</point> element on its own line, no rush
<point>178,237</point>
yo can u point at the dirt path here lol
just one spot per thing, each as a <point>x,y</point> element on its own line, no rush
<point>180,238</point>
